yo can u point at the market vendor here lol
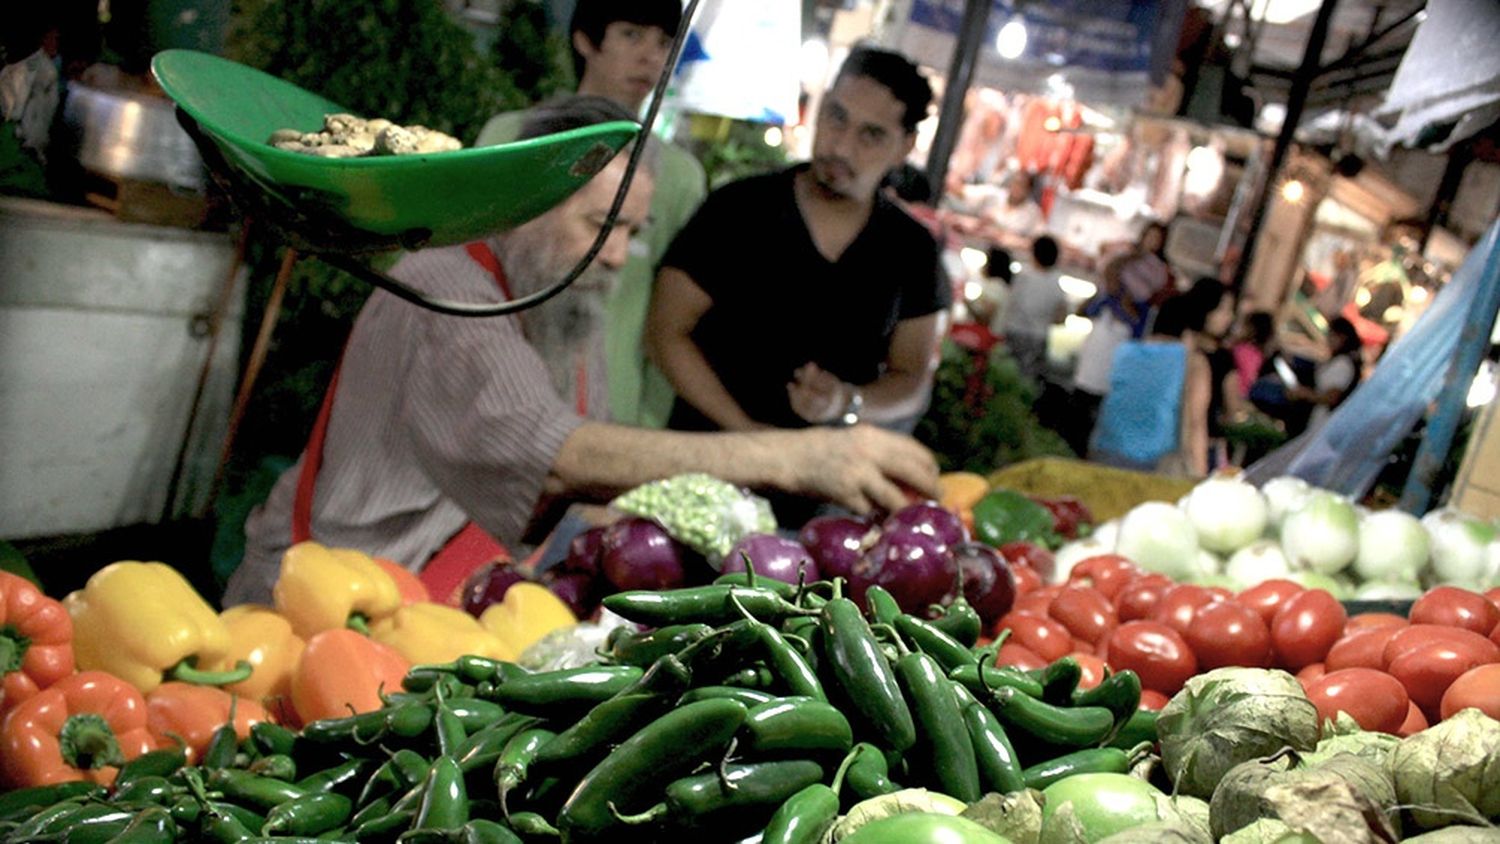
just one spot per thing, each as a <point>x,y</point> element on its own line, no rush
<point>1015,219</point>
<point>805,296</point>
<point>442,437</point>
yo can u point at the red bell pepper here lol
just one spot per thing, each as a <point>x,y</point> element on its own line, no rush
<point>36,641</point>
<point>82,727</point>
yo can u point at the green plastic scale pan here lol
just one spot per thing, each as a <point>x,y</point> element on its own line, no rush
<point>352,205</point>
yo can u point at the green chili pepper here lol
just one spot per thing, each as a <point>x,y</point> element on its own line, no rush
<point>532,825</point>
<point>667,748</point>
<point>883,606</point>
<point>403,770</point>
<point>384,827</point>
<point>868,772</point>
<point>786,663</point>
<point>1095,760</point>
<point>222,746</point>
<point>570,686</point>
<point>248,818</point>
<point>487,832</point>
<point>157,763</point>
<point>516,759</point>
<point>1060,679</point>
<point>699,604</point>
<point>994,677</point>
<point>26,802</point>
<point>311,815</point>
<point>1139,728</point>
<point>999,766</point>
<point>484,747</point>
<point>471,670</point>
<point>272,738</point>
<point>749,697</point>
<point>734,787</point>
<point>946,650</point>
<point>245,787</point>
<point>945,740</point>
<point>796,724</point>
<point>53,818</point>
<point>152,826</point>
<point>1079,726</point>
<point>1120,693</point>
<point>276,766</point>
<point>750,677</point>
<point>865,675</point>
<point>746,579</point>
<point>404,720</point>
<point>806,816</point>
<point>97,827</point>
<point>341,778</point>
<point>960,621</point>
<point>643,649</point>
<point>143,791</point>
<point>630,709</point>
<point>450,731</point>
<point>445,799</point>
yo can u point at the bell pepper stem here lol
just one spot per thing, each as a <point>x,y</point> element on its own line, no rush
<point>358,623</point>
<point>13,647</point>
<point>187,671</point>
<point>86,742</point>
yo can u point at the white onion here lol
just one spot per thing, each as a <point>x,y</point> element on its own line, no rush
<point>1392,547</point>
<point>1256,562</point>
<point>1284,496</point>
<point>1459,546</point>
<point>1158,537</point>
<point>1076,552</point>
<point>1322,536</point>
<point>1227,513</point>
<point>1380,590</point>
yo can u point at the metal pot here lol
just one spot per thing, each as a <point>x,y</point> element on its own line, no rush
<point>130,135</point>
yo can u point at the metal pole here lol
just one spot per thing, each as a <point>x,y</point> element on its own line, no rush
<point>1473,343</point>
<point>960,76</point>
<point>1295,102</point>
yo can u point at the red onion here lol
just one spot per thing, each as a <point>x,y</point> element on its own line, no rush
<point>836,543</point>
<point>772,556</point>
<point>638,553</point>
<point>487,585</point>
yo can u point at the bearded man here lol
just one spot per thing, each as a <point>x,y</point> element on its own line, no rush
<point>444,437</point>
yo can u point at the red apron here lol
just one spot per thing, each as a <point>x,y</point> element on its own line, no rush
<point>470,548</point>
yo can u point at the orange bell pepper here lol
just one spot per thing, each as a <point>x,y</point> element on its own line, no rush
<point>342,672</point>
<point>411,587</point>
<point>82,727</point>
<point>36,641</point>
<point>192,713</point>
<point>264,638</point>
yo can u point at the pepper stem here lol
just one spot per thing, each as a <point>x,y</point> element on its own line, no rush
<point>187,671</point>
<point>13,647</point>
<point>838,777</point>
<point>359,623</point>
<point>87,743</point>
<point>658,811</point>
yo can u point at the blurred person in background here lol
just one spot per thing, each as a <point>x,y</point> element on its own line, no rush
<point>1036,303</point>
<point>1335,378</point>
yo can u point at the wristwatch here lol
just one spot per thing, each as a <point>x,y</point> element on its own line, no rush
<point>854,408</point>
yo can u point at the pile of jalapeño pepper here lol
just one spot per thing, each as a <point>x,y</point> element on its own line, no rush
<point>747,706</point>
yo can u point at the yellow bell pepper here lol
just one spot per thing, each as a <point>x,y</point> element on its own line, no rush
<point>139,621</point>
<point>528,612</point>
<point>263,638</point>
<point>323,588</point>
<point>430,632</point>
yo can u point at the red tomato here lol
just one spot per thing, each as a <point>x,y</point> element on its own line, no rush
<point>1039,559</point>
<point>1220,592</point>
<point>1229,633</point>
<point>1026,578</point>
<point>1085,611</point>
<point>1495,635</point>
<point>1267,597</point>
<point>1493,595</point>
<point>1478,687</point>
<point>1035,602</point>
<point>1093,669</point>
<point>1373,620</point>
<point>1360,648</point>
<point>1140,596</point>
<point>1155,652</point>
<point>1311,674</point>
<point>1429,670</point>
<point>1306,627</point>
<point>1153,700</point>
<point>1375,699</point>
<point>1042,636</point>
<point>1109,573</point>
<point>1456,608</point>
<point>1180,604</point>
<point>1019,656</point>
<point>1415,721</point>
<point>1420,635</point>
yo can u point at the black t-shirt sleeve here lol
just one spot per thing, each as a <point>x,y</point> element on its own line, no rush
<point>926,288</point>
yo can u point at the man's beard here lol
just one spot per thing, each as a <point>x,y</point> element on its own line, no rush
<point>565,328</point>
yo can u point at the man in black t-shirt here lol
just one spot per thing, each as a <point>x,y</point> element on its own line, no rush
<point>806,297</point>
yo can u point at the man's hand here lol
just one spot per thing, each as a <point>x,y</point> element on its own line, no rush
<point>862,468</point>
<point>816,395</point>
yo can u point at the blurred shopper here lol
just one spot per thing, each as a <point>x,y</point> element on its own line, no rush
<point>1015,219</point>
<point>619,50</point>
<point>1336,377</point>
<point>1036,303</point>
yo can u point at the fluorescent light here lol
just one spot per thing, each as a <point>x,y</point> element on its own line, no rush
<point>974,259</point>
<point>1010,43</point>
<point>1205,167</point>
<point>812,64</point>
<point>1077,288</point>
<point>1074,322</point>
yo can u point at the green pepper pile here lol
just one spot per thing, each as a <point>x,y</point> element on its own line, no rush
<point>750,705</point>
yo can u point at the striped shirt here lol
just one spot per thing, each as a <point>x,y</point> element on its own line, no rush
<point>437,420</point>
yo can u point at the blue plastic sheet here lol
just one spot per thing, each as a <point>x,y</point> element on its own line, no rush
<point>1347,453</point>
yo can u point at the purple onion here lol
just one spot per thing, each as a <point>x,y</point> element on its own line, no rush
<point>772,556</point>
<point>638,553</point>
<point>577,590</point>
<point>989,587</point>
<point>931,518</point>
<point>836,543</point>
<point>584,552</point>
<point>915,567</point>
<point>488,585</point>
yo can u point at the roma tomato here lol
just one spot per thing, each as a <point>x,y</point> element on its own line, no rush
<point>1267,597</point>
<point>1109,573</point>
<point>1375,699</point>
<point>1035,602</point>
<point>1093,669</point>
<point>1154,651</point>
<point>1027,580</point>
<point>1415,722</point>
<point>1306,627</point>
<point>1042,636</point>
<point>1180,604</point>
<point>1360,648</point>
<point>1153,700</point>
<point>1428,671</point>
<point>1139,597</point>
<point>1085,611</point>
<point>1019,656</point>
<point>1493,595</point>
<point>1420,635</point>
<point>1456,608</point>
<point>1373,620</point>
<point>1311,674</point>
<point>1478,687</point>
<point>1495,635</point>
<point>1229,633</point>
<point>1037,558</point>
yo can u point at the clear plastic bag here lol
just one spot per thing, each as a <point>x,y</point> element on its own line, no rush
<point>700,511</point>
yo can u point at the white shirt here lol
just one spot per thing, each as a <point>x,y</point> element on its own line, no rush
<point>1096,357</point>
<point>1337,373</point>
<point>1035,298</point>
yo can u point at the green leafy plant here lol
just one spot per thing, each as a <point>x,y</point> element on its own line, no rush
<point>981,414</point>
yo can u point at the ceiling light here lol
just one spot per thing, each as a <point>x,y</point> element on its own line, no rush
<point>1293,191</point>
<point>773,136</point>
<point>1010,43</point>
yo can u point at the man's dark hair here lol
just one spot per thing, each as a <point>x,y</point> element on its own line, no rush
<point>997,262</point>
<point>592,17</point>
<point>895,72</point>
<point>1044,251</point>
<point>1343,336</point>
<point>1189,311</point>
<point>576,111</point>
<point>909,183</point>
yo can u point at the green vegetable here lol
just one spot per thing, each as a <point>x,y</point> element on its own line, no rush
<point>943,740</point>
<point>801,725</point>
<point>960,622</point>
<point>1450,773</point>
<point>865,675</point>
<point>1078,726</point>
<point>907,801</point>
<point>700,511</point>
<point>1005,515</point>
<point>1090,807</point>
<point>740,786</point>
<point>923,828</point>
<point>314,814</point>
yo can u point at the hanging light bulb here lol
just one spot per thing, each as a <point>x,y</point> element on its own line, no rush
<point>1010,42</point>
